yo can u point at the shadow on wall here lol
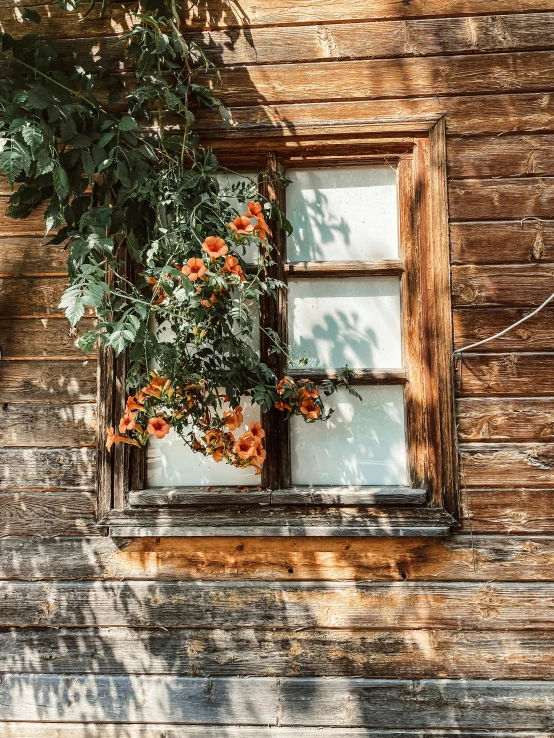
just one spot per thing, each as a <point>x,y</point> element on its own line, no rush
<point>114,645</point>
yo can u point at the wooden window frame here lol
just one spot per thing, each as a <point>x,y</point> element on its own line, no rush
<point>430,504</point>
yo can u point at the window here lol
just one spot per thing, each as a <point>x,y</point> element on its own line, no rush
<point>367,272</point>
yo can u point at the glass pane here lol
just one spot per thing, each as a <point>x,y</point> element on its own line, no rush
<point>362,442</point>
<point>334,322</point>
<point>227,179</point>
<point>172,463</point>
<point>342,214</point>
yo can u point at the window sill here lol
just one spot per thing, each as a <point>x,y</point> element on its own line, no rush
<point>279,520</point>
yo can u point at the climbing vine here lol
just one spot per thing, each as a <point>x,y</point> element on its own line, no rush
<point>156,248</point>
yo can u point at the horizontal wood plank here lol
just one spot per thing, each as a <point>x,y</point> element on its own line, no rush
<point>47,425</point>
<point>247,652</point>
<point>475,324</point>
<point>508,285</point>
<point>474,199</point>
<point>48,381</point>
<point>275,45</point>
<point>509,511</point>
<point>377,40</point>
<point>457,557</point>
<point>15,228</point>
<point>112,730</point>
<point>31,297</point>
<point>505,419</point>
<point>528,374</point>
<point>501,156</point>
<point>21,256</point>
<point>357,606</point>
<point>386,78</point>
<point>505,465</point>
<point>47,513</point>
<point>42,338</point>
<point>470,115</point>
<point>518,241</point>
<point>337,702</point>
<point>47,468</point>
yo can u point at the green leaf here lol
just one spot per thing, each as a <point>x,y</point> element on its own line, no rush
<point>44,165</point>
<point>88,341</point>
<point>31,15</point>
<point>61,183</point>
<point>32,137</point>
<point>68,128</point>
<point>88,163</point>
<point>11,164</point>
<point>127,123</point>
<point>105,138</point>
<point>72,301</point>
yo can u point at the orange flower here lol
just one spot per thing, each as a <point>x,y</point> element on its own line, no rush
<point>232,266</point>
<point>215,246</point>
<point>261,228</point>
<point>306,394</point>
<point>257,430</point>
<point>133,404</point>
<point>206,303</point>
<point>309,409</point>
<point>284,384</point>
<point>245,447</point>
<point>113,438</point>
<point>127,422</point>
<point>233,419</point>
<point>242,225</point>
<point>254,208</point>
<point>154,388</point>
<point>157,290</point>
<point>282,405</point>
<point>158,427</point>
<point>194,268</point>
<point>217,454</point>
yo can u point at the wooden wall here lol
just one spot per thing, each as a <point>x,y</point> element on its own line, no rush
<point>365,637</point>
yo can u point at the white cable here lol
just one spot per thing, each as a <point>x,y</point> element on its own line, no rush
<point>506,330</point>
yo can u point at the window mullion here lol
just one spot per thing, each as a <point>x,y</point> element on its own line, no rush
<point>276,470</point>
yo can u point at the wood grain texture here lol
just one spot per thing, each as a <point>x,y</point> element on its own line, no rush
<point>308,43</point>
<point>219,14</point>
<point>475,324</point>
<point>501,465</point>
<point>528,375</point>
<point>381,703</point>
<point>47,513</point>
<point>111,730</point>
<point>47,425</point>
<point>495,557</point>
<point>457,557</point>
<point>48,381</point>
<point>31,297</point>
<point>215,652</point>
<point>493,285</point>
<point>505,419</point>
<point>518,241</point>
<point>501,156</point>
<point>356,606</point>
<point>386,78</point>
<point>31,226</point>
<point>47,468</point>
<point>42,338</point>
<point>469,115</point>
<point>24,256</point>
<point>513,511</point>
<point>474,199</point>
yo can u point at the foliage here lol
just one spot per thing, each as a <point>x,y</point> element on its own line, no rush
<point>155,246</point>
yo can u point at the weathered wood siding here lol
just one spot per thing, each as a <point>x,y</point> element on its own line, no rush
<point>155,638</point>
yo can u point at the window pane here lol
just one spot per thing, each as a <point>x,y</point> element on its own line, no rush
<point>362,442</point>
<point>342,214</point>
<point>334,322</point>
<point>172,463</point>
